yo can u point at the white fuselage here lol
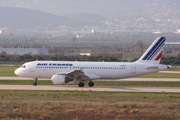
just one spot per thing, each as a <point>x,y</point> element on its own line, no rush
<point>96,70</point>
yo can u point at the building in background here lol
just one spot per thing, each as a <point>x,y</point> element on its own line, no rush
<point>23,51</point>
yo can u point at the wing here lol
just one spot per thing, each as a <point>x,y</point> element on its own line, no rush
<point>76,74</point>
<point>79,75</point>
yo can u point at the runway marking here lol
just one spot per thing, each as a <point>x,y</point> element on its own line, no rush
<point>72,88</point>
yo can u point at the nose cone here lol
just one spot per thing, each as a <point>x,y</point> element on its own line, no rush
<point>17,72</point>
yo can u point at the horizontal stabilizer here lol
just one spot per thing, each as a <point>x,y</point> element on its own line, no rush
<point>153,68</point>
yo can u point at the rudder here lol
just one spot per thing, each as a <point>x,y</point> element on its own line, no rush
<point>154,52</point>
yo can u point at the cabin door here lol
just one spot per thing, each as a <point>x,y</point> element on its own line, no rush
<point>133,69</point>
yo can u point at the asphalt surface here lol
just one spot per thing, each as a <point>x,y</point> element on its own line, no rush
<point>174,72</point>
<point>72,88</point>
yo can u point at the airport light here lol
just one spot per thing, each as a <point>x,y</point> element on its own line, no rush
<point>1,31</point>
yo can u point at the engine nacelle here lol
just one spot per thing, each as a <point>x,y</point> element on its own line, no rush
<point>60,79</point>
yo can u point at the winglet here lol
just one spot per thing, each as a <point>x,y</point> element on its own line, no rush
<point>154,52</point>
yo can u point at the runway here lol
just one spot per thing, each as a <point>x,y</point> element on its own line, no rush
<point>128,79</point>
<point>73,88</point>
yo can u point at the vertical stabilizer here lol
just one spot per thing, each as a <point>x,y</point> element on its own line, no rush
<point>154,52</point>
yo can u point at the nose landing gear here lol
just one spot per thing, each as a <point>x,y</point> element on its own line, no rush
<point>35,82</point>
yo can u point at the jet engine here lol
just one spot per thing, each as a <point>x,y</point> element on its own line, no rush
<point>60,79</point>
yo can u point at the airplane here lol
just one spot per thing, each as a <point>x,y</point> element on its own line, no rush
<point>61,72</point>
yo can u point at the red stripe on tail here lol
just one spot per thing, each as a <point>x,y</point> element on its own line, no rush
<point>159,56</point>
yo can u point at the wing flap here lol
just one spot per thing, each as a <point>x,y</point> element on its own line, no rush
<point>80,75</point>
<point>76,74</point>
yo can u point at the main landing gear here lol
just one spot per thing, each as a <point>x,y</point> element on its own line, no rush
<point>91,84</point>
<point>35,81</point>
<point>81,84</point>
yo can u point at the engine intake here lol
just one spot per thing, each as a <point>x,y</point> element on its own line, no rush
<point>60,79</point>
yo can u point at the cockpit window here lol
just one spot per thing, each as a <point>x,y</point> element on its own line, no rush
<point>23,66</point>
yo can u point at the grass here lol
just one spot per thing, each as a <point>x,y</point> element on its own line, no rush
<point>161,75</point>
<point>89,105</point>
<point>25,82</point>
<point>174,69</point>
<point>100,83</point>
<point>138,83</point>
<point>8,70</point>
<point>89,93</point>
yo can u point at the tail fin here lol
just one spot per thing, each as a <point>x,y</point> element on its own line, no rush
<point>154,52</point>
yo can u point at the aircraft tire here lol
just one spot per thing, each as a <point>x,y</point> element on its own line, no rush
<point>81,84</point>
<point>35,84</point>
<point>91,84</point>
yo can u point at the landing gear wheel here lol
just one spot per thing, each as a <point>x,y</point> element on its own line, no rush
<point>81,84</point>
<point>91,84</point>
<point>35,82</point>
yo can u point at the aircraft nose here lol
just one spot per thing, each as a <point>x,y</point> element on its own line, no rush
<point>17,72</point>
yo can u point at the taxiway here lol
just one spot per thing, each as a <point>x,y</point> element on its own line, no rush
<point>72,88</point>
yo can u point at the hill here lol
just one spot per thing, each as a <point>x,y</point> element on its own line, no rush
<point>23,17</point>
